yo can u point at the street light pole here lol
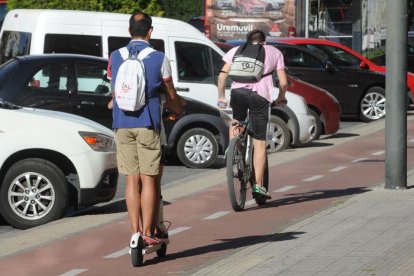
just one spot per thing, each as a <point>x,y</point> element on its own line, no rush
<point>396,95</point>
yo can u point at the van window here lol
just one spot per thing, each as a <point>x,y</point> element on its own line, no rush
<point>116,42</point>
<point>73,44</point>
<point>14,44</point>
<point>91,79</point>
<point>194,62</point>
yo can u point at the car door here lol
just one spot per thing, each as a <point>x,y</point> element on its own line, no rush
<point>195,68</point>
<point>48,87</point>
<point>93,92</point>
<point>313,69</point>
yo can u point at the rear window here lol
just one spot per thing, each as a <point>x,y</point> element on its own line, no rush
<point>14,44</point>
<point>73,44</point>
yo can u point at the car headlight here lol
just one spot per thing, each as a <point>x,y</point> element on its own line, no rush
<point>97,141</point>
<point>226,118</point>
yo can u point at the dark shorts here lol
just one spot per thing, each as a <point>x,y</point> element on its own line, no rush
<point>243,100</point>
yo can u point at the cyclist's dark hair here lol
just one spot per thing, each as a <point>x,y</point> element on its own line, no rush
<point>139,24</point>
<point>256,36</point>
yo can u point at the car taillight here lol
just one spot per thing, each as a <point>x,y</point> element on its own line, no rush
<point>291,31</point>
<point>207,31</point>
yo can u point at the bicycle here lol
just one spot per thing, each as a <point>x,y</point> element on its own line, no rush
<point>240,170</point>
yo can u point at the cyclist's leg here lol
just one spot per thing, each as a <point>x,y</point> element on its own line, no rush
<point>238,103</point>
<point>259,117</point>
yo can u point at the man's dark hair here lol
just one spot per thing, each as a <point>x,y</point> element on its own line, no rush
<point>139,24</point>
<point>256,36</point>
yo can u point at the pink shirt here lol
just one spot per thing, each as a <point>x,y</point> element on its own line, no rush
<point>264,87</point>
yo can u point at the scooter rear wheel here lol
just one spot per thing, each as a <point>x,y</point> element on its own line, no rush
<point>137,258</point>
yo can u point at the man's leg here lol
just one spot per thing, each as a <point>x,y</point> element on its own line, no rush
<point>148,200</point>
<point>133,201</point>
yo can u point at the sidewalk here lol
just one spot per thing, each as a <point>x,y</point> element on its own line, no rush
<point>369,234</point>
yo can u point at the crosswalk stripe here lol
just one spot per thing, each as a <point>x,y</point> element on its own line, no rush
<point>379,152</point>
<point>359,160</point>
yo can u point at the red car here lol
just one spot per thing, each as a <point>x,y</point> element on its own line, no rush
<point>322,105</point>
<point>341,55</point>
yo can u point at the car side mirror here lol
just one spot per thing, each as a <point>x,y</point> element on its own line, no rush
<point>363,65</point>
<point>329,66</point>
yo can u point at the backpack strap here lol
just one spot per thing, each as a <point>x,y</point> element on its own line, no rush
<point>124,53</point>
<point>145,52</point>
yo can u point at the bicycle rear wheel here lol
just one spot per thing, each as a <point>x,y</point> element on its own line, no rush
<point>236,182</point>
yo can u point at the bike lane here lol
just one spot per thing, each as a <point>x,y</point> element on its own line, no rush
<point>206,229</point>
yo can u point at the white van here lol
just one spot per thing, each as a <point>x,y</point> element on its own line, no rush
<point>195,60</point>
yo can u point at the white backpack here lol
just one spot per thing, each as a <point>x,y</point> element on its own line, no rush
<point>130,80</point>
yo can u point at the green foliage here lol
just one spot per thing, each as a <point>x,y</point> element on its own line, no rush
<point>122,6</point>
<point>183,9</point>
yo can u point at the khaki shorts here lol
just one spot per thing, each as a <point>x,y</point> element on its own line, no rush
<point>138,150</point>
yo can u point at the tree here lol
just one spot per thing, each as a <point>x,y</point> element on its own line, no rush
<point>183,9</point>
<point>152,7</point>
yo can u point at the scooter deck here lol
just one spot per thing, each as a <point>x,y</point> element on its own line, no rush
<point>152,248</point>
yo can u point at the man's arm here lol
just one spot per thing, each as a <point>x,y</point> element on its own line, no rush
<point>221,85</point>
<point>283,85</point>
<point>173,101</point>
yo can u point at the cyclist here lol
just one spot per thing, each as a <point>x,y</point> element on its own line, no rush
<point>255,98</point>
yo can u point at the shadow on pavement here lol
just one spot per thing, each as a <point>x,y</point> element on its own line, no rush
<point>342,135</point>
<point>312,195</point>
<point>227,244</point>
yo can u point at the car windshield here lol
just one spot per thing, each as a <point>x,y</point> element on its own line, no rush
<point>336,55</point>
<point>6,105</point>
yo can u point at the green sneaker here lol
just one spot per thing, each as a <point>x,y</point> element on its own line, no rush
<point>261,191</point>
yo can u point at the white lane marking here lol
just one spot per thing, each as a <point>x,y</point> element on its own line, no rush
<point>411,141</point>
<point>313,178</point>
<point>379,152</point>
<point>339,168</point>
<point>125,250</point>
<point>250,202</point>
<point>118,253</point>
<point>359,160</point>
<point>217,215</point>
<point>73,272</point>
<point>284,189</point>
<point>177,230</point>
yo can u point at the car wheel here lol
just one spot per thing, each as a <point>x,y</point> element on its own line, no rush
<point>317,128</point>
<point>34,192</point>
<point>372,106</point>
<point>278,135</point>
<point>197,148</point>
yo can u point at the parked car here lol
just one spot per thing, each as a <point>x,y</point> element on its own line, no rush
<point>50,161</point>
<point>77,84</point>
<point>195,60</point>
<point>342,56</point>
<point>322,105</point>
<point>360,92</point>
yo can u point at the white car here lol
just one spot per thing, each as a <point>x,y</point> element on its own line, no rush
<point>50,161</point>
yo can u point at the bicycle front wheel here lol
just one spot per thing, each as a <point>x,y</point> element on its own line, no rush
<point>236,182</point>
